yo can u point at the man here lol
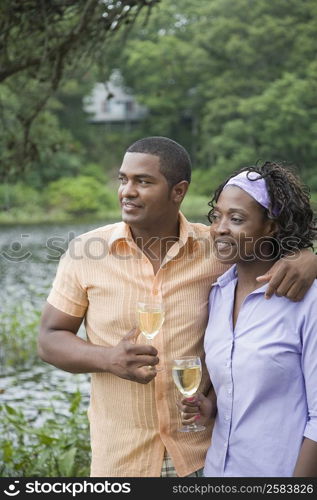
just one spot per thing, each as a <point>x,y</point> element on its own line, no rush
<point>153,251</point>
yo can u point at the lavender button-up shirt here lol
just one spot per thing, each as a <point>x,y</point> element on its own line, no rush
<point>264,372</point>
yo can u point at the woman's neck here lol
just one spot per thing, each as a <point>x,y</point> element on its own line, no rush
<point>248,271</point>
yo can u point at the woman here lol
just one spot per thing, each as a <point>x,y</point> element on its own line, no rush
<point>261,355</point>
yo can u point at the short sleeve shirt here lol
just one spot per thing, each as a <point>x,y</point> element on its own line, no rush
<point>101,277</point>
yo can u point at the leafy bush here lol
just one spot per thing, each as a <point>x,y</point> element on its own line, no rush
<point>18,332</point>
<point>80,195</point>
<point>202,182</point>
<point>18,195</point>
<point>195,207</point>
<point>59,447</point>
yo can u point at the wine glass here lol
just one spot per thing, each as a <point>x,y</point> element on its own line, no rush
<point>151,316</point>
<point>187,373</point>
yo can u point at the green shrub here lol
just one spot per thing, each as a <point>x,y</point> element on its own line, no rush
<point>79,196</point>
<point>195,207</point>
<point>18,196</point>
<point>18,333</point>
<point>202,182</point>
<point>59,447</point>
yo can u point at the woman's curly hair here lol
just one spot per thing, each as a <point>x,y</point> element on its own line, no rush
<point>290,200</point>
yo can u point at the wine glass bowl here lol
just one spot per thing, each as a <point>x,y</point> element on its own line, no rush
<point>187,374</point>
<point>150,315</point>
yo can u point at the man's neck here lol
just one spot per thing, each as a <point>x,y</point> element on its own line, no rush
<point>157,233</point>
<point>155,242</point>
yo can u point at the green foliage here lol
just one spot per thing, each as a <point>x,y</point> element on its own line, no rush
<point>58,447</point>
<point>242,72</point>
<point>57,444</point>
<point>18,333</point>
<point>44,44</point>
<point>203,182</point>
<point>195,207</point>
<point>234,81</point>
<point>31,155</point>
<point>80,195</point>
<point>18,195</point>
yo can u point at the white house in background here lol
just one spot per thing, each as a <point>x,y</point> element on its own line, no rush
<point>110,103</point>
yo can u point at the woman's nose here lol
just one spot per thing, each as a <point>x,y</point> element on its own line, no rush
<point>222,227</point>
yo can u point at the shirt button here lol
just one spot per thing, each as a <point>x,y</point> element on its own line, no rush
<point>228,363</point>
<point>227,417</point>
<point>155,291</point>
<point>229,392</point>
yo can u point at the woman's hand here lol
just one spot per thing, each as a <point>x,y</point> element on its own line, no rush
<point>198,408</point>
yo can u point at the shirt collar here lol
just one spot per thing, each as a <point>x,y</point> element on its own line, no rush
<point>186,233</point>
<point>232,275</point>
<point>227,277</point>
<point>122,236</point>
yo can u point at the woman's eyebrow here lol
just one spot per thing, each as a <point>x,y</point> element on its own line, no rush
<point>231,210</point>
<point>238,210</point>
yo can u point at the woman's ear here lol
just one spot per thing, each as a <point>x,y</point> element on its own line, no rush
<point>272,228</point>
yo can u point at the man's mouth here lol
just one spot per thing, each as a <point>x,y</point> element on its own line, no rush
<point>129,205</point>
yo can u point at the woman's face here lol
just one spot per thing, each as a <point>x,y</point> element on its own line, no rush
<point>240,228</point>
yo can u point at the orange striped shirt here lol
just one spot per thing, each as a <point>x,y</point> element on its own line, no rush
<point>102,276</point>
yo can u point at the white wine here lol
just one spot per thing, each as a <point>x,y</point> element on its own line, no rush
<point>188,379</point>
<point>150,322</point>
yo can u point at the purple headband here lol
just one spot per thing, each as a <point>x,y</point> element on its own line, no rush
<point>255,187</point>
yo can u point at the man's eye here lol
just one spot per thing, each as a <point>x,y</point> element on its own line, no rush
<point>236,219</point>
<point>144,182</point>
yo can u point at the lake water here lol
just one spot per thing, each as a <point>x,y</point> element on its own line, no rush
<point>28,260</point>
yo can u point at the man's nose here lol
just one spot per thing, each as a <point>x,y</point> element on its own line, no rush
<point>128,190</point>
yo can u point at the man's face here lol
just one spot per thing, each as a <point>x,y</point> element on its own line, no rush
<point>144,193</point>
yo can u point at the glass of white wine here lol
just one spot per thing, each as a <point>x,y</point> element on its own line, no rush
<point>187,373</point>
<point>151,315</point>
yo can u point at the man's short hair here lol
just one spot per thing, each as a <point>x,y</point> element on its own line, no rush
<point>175,163</point>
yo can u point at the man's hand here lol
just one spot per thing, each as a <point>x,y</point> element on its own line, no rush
<point>133,361</point>
<point>292,276</point>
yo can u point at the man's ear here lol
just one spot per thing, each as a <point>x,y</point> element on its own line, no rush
<point>179,191</point>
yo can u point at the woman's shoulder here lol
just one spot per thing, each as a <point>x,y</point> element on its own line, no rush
<point>311,294</point>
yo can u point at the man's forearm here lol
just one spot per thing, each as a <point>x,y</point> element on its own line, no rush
<point>68,352</point>
<point>127,360</point>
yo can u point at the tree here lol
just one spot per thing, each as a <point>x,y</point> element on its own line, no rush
<point>42,43</point>
<point>233,80</point>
